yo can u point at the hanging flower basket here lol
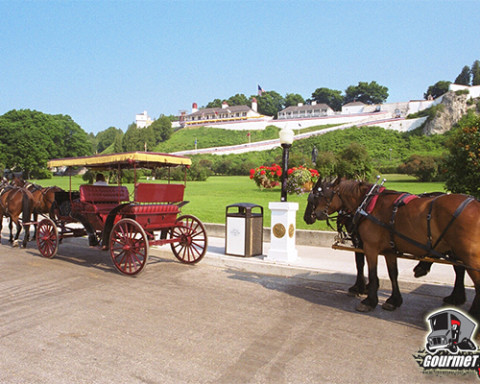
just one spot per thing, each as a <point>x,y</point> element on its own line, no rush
<point>301,180</point>
<point>266,176</point>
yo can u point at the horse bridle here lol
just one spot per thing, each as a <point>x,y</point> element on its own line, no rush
<point>318,193</point>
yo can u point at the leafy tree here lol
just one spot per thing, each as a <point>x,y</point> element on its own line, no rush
<point>464,77</point>
<point>424,168</point>
<point>354,162</point>
<point>28,139</point>
<point>238,99</point>
<point>368,93</point>
<point>293,99</point>
<point>331,97</point>
<point>137,139</point>
<point>162,129</point>
<point>476,72</point>
<point>437,90</point>
<point>463,161</point>
<point>326,164</point>
<point>217,103</point>
<point>106,138</point>
<point>270,103</point>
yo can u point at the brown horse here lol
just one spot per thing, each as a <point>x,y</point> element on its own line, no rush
<point>43,198</point>
<point>16,201</point>
<point>444,226</point>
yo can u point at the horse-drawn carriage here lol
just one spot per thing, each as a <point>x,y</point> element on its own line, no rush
<point>125,225</point>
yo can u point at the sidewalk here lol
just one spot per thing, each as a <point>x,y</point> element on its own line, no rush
<point>324,264</point>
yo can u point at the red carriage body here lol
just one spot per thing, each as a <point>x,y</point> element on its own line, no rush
<point>127,227</point>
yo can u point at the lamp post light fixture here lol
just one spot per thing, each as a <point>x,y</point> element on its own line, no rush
<point>286,140</point>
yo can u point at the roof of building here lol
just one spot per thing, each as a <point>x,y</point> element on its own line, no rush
<point>354,103</point>
<point>306,107</point>
<point>232,109</point>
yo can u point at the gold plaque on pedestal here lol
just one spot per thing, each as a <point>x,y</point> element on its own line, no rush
<point>278,230</point>
<point>291,230</point>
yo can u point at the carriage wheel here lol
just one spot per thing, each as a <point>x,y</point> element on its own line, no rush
<point>128,247</point>
<point>192,244</point>
<point>47,238</point>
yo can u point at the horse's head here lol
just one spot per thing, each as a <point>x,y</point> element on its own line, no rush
<point>322,201</point>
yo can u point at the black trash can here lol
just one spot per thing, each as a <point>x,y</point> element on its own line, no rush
<point>244,230</point>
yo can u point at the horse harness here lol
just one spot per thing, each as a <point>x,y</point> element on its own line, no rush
<point>402,200</point>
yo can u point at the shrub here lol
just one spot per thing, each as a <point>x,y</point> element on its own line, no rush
<point>424,168</point>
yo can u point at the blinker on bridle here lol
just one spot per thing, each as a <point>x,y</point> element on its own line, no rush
<point>318,193</point>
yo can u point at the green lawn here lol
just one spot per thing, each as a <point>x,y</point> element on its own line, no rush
<point>208,199</point>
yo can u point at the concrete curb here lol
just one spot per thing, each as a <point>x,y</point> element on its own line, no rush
<point>303,236</point>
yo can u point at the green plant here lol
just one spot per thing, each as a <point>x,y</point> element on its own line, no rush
<point>301,179</point>
<point>266,177</point>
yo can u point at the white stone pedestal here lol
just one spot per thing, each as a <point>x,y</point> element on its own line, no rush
<point>283,228</point>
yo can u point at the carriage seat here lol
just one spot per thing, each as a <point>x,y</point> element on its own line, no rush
<point>157,199</point>
<point>101,199</point>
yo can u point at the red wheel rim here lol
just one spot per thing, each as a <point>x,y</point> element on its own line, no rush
<point>128,247</point>
<point>47,238</point>
<point>192,240</point>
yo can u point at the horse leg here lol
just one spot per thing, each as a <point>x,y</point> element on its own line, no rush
<point>35,218</point>
<point>26,235</point>
<point>395,300</point>
<point>475,308</point>
<point>14,240</point>
<point>360,287</point>
<point>422,268</point>
<point>10,227</point>
<point>371,301</point>
<point>457,297</point>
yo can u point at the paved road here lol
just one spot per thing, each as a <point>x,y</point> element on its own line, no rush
<point>74,319</point>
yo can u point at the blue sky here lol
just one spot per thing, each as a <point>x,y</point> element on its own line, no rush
<point>101,62</point>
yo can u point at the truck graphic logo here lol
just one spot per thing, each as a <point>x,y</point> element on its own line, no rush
<point>450,346</point>
<point>450,330</point>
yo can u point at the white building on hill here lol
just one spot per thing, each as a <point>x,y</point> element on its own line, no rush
<point>143,120</point>
<point>232,117</point>
<point>305,111</point>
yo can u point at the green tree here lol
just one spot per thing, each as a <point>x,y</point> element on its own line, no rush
<point>354,162</point>
<point>293,99</point>
<point>270,103</point>
<point>217,103</point>
<point>423,167</point>
<point>464,77</point>
<point>30,138</point>
<point>238,99</point>
<point>137,139</point>
<point>368,93</point>
<point>331,97</point>
<point>462,168</point>
<point>106,138</point>
<point>162,129</point>
<point>437,90</point>
<point>476,72</point>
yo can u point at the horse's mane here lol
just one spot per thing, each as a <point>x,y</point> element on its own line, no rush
<point>353,187</point>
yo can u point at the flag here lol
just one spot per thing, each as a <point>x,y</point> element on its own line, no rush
<point>260,91</point>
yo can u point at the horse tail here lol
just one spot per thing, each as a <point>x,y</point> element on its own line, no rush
<point>27,207</point>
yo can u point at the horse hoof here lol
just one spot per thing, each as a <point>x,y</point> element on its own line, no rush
<point>364,308</point>
<point>15,243</point>
<point>419,271</point>
<point>388,306</point>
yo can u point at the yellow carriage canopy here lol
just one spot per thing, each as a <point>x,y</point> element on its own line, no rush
<point>127,160</point>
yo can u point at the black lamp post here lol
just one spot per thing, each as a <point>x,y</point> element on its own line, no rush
<point>286,140</point>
